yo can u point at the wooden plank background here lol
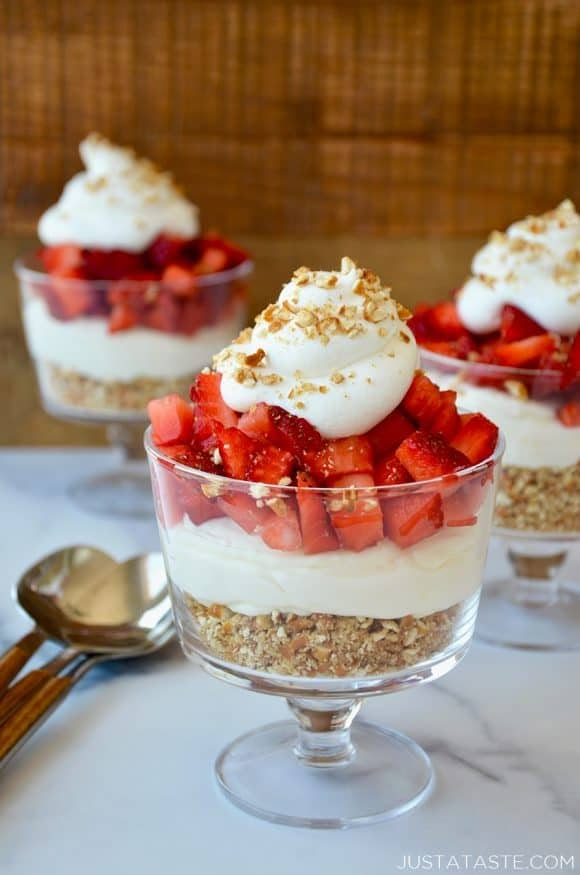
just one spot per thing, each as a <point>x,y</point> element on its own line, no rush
<point>301,116</point>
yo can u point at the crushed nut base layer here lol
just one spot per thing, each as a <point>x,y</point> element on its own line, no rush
<point>539,499</point>
<point>321,644</point>
<point>76,390</point>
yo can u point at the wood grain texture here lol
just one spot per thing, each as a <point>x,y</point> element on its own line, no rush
<point>310,116</point>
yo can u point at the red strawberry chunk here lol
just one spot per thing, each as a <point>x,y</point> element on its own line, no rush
<point>524,352</point>
<point>317,533</point>
<point>282,532</point>
<point>69,296</point>
<point>243,510</point>
<point>517,325</point>
<point>389,433</point>
<point>180,280</point>
<point>270,464</point>
<point>295,433</point>
<point>213,260</point>
<point>177,494</point>
<point>476,437</point>
<point>62,259</point>
<point>257,423</point>
<point>412,518</point>
<point>165,249</point>
<point>357,520</point>
<point>122,318</point>
<point>572,367</point>
<point>426,455</point>
<point>111,265</point>
<point>164,315</point>
<point>569,414</point>
<point>422,401</point>
<point>206,393</point>
<point>172,420</point>
<point>237,452</point>
<point>389,472</point>
<point>461,504</point>
<point>446,421</point>
<point>444,321</point>
<point>342,456</point>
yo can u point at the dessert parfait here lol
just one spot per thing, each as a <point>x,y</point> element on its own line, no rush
<point>324,508</point>
<point>126,299</point>
<point>509,344</point>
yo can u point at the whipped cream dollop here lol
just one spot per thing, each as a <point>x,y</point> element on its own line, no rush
<point>534,265</point>
<point>120,201</point>
<point>333,349</point>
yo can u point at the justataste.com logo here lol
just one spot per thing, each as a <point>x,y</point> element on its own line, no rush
<point>488,863</point>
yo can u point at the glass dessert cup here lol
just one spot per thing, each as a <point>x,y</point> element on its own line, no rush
<point>538,507</point>
<point>324,630</point>
<point>89,375</point>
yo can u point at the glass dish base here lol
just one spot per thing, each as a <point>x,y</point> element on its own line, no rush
<point>507,619</point>
<point>125,492</point>
<point>385,775</point>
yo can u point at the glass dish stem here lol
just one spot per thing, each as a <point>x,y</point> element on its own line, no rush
<point>324,738</point>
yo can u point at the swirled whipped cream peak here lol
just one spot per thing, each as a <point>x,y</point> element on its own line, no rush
<point>119,201</point>
<point>534,265</point>
<point>334,349</point>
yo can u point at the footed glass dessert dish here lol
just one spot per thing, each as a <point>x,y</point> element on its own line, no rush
<point>537,514</point>
<point>103,348</point>
<point>323,596</point>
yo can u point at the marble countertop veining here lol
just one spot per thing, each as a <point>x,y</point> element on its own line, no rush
<point>120,780</point>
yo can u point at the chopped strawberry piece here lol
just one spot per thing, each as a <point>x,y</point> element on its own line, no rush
<point>389,433</point>
<point>180,279</point>
<point>389,472</point>
<point>317,533</point>
<point>419,323</point>
<point>206,393</point>
<point>446,421</point>
<point>69,296</point>
<point>342,456</point>
<point>524,352</point>
<point>121,318</point>
<point>204,431</point>
<point>422,401</point>
<point>60,260</point>
<point>282,532</point>
<point>476,437</point>
<point>164,315</point>
<point>357,520</point>
<point>237,452</point>
<point>270,464</point>
<point>193,316</point>
<point>412,518</point>
<point>426,455</point>
<point>111,265</point>
<point>569,414</point>
<point>177,494</point>
<point>572,367</point>
<point>213,260</point>
<point>165,249</point>
<point>294,433</point>
<point>444,321</point>
<point>257,423</point>
<point>172,420</point>
<point>462,503</point>
<point>243,510</point>
<point>516,325</point>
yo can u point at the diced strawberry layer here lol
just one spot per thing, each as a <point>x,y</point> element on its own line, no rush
<point>270,465</point>
<point>517,325</point>
<point>180,279</point>
<point>237,452</point>
<point>409,519</point>
<point>422,401</point>
<point>257,423</point>
<point>172,419</point>
<point>339,457</point>
<point>524,352</point>
<point>572,367</point>
<point>462,503</point>
<point>446,421</point>
<point>476,437</point>
<point>389,472</point>
<point>317,533</point>
<point>294,433</point>
<point>444,321</point>
<point>165,249</point>
<point>244,511</point>
<point>206,393</point>
<point>389,433</point>
<point>110,265</point>
<point>177,494</point>
<point>426,456</point>
<point>60,260</point>
<point>569,414</point>
<point>282,532</point>
<point>358,521</point>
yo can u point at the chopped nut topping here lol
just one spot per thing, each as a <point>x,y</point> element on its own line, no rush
<point>244,336</point>
<point>278,505</point>
<point>245,376</point>
<point>336,377</point>
<point>259,490</point>
<point>255,358</point>
<point>216,456</point>
<point>516,389</point>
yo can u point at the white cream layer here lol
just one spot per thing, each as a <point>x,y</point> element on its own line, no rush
<point>535,266</point>
<point>119,201</point>
<point>335,352</point>
<point>535,437</point>
<point>86,346</point>
<point>217,563</point>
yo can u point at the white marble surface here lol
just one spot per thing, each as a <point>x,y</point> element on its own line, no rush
<point>120,779</point>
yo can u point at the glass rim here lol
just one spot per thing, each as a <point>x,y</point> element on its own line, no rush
<point>24,270</point>
<point>485,369</point>
<point>413,487</point>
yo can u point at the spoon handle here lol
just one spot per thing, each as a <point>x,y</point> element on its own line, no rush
<point>32,681</point>
<point>32,713</point>
<point>18,655</point>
